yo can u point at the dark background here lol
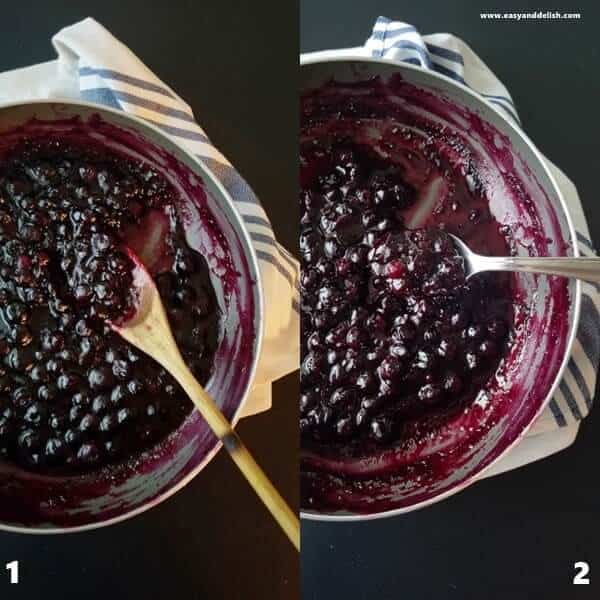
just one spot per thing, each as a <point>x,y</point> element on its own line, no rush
<point>213,540</point>
<point>518,535</point>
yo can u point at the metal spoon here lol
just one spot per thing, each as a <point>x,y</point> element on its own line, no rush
<point>584,268</point>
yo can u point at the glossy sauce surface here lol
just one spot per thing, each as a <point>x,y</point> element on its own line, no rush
<point>73,395</point>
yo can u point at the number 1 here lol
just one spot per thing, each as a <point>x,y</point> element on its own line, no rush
<point>13,568</point>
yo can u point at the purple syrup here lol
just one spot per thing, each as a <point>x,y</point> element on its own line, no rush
<point>382,162</point>
<point>74,396</point>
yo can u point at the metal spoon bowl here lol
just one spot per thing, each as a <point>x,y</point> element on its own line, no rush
<point>585,268</point>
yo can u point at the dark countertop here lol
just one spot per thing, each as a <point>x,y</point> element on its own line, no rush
<point>517,535</point>
<point>213,540</point>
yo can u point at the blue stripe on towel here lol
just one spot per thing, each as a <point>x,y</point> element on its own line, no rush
<point>585,241</point>
<point>265,239</point>
<point>557,413</point>
<point>287,256</point>
<point>254,220</point>
<point>581,383</point>
<point>570,398</point>
<point>412,47</point>
<point>101,96</point>
<point>270,258</point>
<point>117,76</point>
<point>445,53</point>
<point>587,333</point>
<point>511,113</point>
<point>502,98</point>
<point>150,105</point>
<point>186,134</point>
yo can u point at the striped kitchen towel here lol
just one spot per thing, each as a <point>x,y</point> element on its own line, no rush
<point>95,66</point>
<point>450,56</point>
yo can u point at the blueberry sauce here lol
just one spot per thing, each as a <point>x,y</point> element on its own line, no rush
<point>73,395</point>
<point>391,329</point>
<point>444,168</point>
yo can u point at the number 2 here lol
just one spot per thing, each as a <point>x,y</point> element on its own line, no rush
<point>582,569</point>
<point>13,568</point>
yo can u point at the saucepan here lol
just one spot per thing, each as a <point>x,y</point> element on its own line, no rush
<point>539,224</point>
<point>33,503</point>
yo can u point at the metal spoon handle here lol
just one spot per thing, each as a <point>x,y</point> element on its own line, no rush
<point>584,268</point>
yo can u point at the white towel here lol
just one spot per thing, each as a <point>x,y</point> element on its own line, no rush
<point>94,66</point>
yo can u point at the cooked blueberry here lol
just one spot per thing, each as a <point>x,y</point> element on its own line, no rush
<point>35,413</point>
<point>57,421</point>
<point>120,369</point>
<point>80,399</point>
<point>113,447</point>
<point>108,423</point>
<point>380,428</point>
<point>308,401</point>
<point>72,436</point>
<point>55,448</point>
<point>101,378</point>
<point>16,312</point>
<point>29,439</point>
<point>100,403</point>
<point>430,393</point>
<point>348,230</point>
<point>22,396</point>
<point>135,386</point>
<point>68,381</point>
<point>124,415</point>
<point>89,422</point>
<point>118,393</point>
<point>88,453</point>
<point>47,393</point>
<point>452,383</point>
<point>342,397</point>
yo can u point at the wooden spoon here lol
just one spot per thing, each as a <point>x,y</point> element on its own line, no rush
<point>148,330</point>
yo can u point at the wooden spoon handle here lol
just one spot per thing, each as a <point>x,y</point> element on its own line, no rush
<point>265,490</point>
<point>149,331</point>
